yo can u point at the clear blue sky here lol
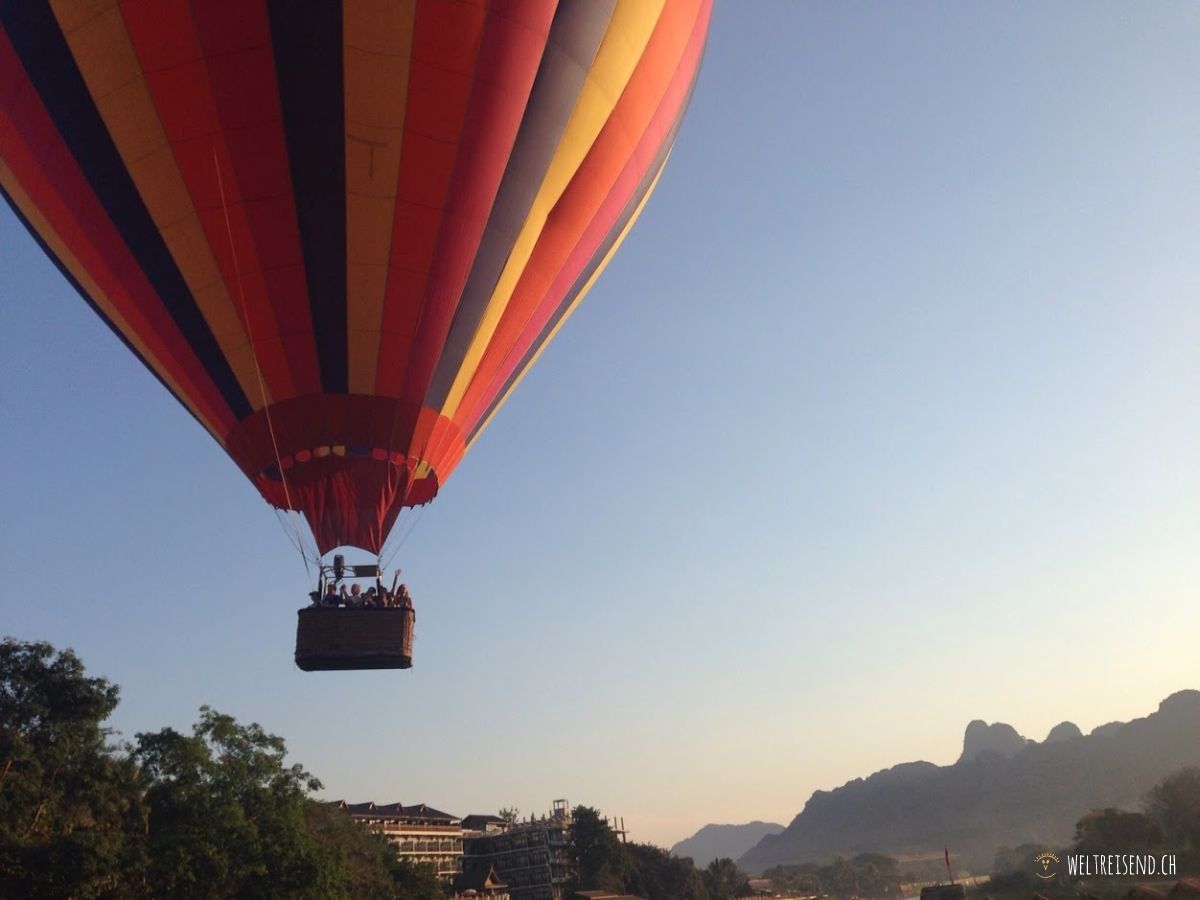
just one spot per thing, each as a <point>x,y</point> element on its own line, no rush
<point>886,417</point>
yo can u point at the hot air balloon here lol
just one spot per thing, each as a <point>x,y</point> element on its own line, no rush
<point>339,233</point>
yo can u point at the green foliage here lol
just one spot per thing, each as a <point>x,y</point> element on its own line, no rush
<point>416,881</point>
<point>364,861</point>
<point>71,814</point>
<point>600,858</point>
<point>875,875</point>
<point>1110,830</point>
<point>1174,805</point>
<point>865,875</point>
<point>227,815</point>
<point>658,875</point>
<point>213,814</point>
<point>796,878</point>
<point>603,862</point>
<point>724,880</point>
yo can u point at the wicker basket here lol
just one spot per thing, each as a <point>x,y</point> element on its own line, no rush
<point>337,639</point>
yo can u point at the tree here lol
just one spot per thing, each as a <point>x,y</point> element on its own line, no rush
<point>1174,805</point>
<point>71,815</point>
<point>600,860</point>
<point>875,875</point>
<point>364,859</point>
<point>213,814</point>
<point>227,816</point>
<point>797,878</point>
<point>417,881</point>
<point>840,878</point>
<point>865,875</point>
<point>509,814</point>
<point>658,875</point>
<point>1101,830</point>
<point>723,879</point>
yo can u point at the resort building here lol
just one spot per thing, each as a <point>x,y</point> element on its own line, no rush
<point>529,857</point>
<point>419,833</point>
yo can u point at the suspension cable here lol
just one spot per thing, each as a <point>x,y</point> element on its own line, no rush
<point>411,527</point>
<point>262,387</point>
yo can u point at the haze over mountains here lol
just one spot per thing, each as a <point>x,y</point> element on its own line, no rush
<point>723,841</point>
<point>1004,790</point>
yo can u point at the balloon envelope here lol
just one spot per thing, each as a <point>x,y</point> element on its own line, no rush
<point>339,233</point>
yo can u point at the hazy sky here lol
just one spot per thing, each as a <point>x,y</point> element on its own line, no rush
<point>885,418</point>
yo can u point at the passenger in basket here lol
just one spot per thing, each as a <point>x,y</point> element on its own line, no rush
<point>330,600</point>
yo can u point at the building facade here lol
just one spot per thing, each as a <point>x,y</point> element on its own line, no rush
<point>530,857</point>
<point>419,833</point>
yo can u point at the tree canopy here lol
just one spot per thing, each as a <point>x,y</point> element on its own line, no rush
<point>215,813</point>
<point>864,875</point>
<point>655,873</point>
<point>1174,805</point>
<point>724,880</point>
<point>227,814</point>
<point>601,861</point>
<point>72,813</point>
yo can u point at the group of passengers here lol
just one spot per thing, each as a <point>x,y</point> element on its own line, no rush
<point>377,597</point>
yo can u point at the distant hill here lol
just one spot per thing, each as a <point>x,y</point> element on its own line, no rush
<point>1004,789</point>
<point>723,841</point>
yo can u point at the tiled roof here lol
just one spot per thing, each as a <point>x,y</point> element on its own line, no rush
<point>478,880</point>
<point>477,820</point>
<point>397,810</point>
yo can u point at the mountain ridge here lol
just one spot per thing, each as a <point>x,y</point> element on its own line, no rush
<point>1004,789</point>
<point>723,841</point>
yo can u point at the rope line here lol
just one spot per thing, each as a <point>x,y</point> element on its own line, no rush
<point>291,540</point>
<point>262,387</point>
<point>411,527</point>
